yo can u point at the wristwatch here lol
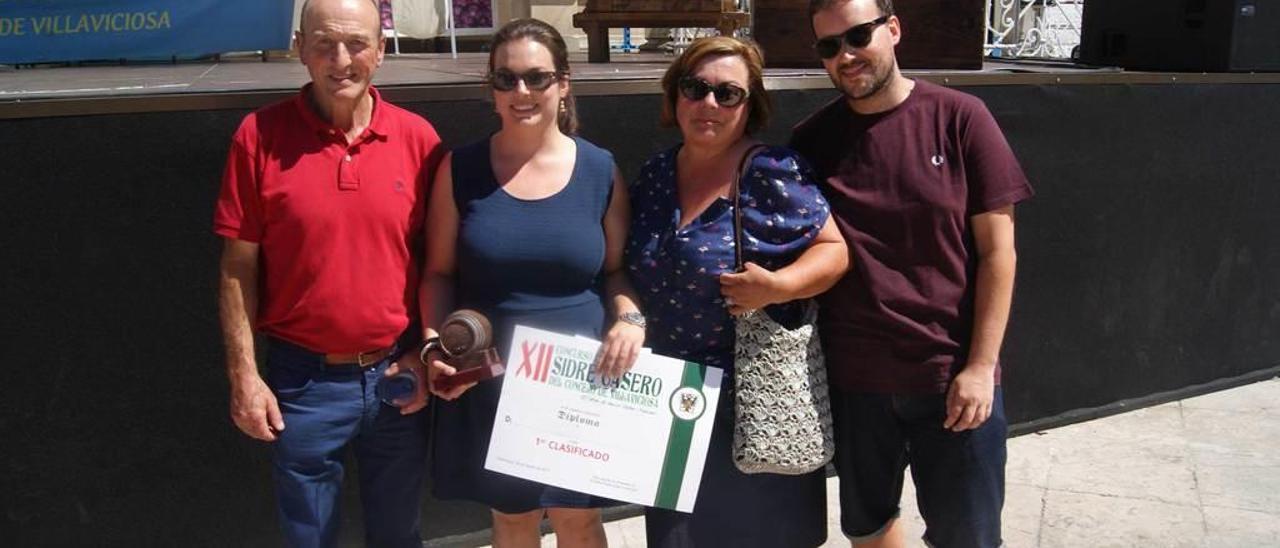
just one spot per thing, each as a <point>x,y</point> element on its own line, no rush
<point>633,318</point>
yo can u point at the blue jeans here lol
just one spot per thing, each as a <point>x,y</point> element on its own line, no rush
<point>325,409</point>
<point>959,476</point>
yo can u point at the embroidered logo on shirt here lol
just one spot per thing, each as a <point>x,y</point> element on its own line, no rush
<point>937,160</point>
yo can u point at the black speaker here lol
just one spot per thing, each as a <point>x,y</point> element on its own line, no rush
<point>1182,35</point>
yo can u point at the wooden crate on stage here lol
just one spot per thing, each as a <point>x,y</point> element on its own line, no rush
<point>601,15</point>
<point>936,34</point>
<point>783,31</point>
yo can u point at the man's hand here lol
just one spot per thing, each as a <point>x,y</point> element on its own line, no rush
<point>970,397</point>
<point>254,408</point>
<point>972,391</point>
<point>411,363</point>
<point>437,368</point>
<point>621,347</point>
<point>752,289</point>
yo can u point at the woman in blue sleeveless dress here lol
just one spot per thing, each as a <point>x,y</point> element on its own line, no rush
<point>526,227</point>
<point>680,256</point>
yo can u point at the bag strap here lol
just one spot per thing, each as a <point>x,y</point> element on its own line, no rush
<point>735,191</point>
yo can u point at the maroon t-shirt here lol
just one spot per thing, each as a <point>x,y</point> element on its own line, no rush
<point>903,185</point>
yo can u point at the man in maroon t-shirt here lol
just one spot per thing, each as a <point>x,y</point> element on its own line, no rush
<point>321,211</point>
<point>922,184</point>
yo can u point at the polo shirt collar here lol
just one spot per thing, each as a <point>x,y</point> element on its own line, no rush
<point>379,123</point>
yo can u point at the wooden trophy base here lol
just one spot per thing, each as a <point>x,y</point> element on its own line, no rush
<point>489,367</point>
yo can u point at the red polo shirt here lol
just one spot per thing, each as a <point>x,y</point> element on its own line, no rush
<point>339,224</point>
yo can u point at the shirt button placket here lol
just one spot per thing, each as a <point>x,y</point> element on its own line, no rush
<point>348,178</point>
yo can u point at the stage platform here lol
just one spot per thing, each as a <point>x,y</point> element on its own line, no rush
<point>247,82</point>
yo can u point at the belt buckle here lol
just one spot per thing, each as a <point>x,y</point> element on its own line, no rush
<point>361,357</point>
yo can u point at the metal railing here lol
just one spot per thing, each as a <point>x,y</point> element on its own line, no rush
<point>1033,29</point>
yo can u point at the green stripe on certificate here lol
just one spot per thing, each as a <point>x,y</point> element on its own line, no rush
<point>687,406</point>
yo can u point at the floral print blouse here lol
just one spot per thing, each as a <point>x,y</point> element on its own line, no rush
<point>675,270</point>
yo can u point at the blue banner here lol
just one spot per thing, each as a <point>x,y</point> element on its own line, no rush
<point>37,31</point>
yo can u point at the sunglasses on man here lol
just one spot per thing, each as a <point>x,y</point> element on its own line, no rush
<point>696,89</point>
<point>858,36</point>
<point>534,80</point>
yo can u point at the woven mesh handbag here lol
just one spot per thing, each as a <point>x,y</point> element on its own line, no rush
<point>782,406</point>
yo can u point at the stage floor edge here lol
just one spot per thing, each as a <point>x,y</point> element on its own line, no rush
<point>243,83</point>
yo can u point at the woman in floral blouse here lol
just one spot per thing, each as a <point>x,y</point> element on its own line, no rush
<point>680,257</point>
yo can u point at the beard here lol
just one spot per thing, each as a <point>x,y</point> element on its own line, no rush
<point>880,74</point>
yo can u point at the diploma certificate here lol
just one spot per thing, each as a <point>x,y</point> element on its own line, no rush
<point>640,439</point>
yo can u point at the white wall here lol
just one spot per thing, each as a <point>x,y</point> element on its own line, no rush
<point>425,18</point>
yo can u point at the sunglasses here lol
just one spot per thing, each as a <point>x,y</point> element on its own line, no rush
<point>726,94</point>
<point>858,36</point>
<point>534,80</point>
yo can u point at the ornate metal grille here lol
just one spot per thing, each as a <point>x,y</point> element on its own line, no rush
<point>1035,29</point>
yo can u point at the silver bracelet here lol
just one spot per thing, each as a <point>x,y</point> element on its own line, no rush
<point>430,344</point>
<point>633,318</point>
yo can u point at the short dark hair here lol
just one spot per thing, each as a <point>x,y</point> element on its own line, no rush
<point>714,46</point>
<point>541,32</point>
<point>815,6</point>
<point>302,16</point>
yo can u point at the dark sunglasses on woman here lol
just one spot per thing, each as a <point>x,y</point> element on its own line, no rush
<point>535,80</point>
<point>858,36</point>
<point>696,89</point>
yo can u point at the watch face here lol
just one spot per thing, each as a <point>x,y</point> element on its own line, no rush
<point>633,318</point>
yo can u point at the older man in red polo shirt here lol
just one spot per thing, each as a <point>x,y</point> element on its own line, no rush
<point>321,209</point>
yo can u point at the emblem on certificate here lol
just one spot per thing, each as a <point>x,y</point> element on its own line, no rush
<point>688,403</point>
<point>641,438</point>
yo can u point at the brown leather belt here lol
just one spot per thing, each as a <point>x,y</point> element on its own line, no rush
<point>363,359</point>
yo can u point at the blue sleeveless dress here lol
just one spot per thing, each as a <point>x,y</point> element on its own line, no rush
<point>530,262</point>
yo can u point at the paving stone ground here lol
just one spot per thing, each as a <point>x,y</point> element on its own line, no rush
<point>1201,472</point>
